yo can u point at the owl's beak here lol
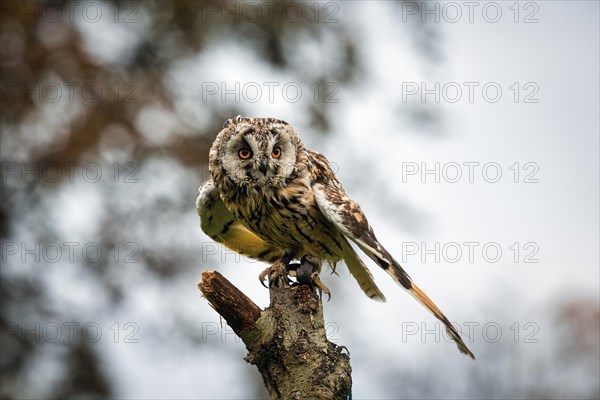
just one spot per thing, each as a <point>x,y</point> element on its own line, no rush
<point>263,167</point>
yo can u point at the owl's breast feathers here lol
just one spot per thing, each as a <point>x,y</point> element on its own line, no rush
<point>288,215</point>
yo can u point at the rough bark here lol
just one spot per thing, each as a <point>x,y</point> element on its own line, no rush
<point>286,341</point>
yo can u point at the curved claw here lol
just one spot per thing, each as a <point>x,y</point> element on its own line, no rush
<point>273,274</point>
<point>340,349</point>
<point>321,295</point>
<point>263,275</point>
<point>316,282</point>
<point>262,282</point>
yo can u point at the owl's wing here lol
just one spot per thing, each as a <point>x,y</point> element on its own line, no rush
<point>347,216</point>
<point>361,273</point>
<point>223,227</point>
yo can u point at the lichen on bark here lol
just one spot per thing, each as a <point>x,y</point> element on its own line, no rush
<point>287,341</point>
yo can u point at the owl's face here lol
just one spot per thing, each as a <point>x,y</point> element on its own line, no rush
<point>255,151</point>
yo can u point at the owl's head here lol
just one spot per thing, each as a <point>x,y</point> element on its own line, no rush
<point>255,152</point>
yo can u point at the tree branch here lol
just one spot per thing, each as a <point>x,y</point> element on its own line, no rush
<point>286,341</point>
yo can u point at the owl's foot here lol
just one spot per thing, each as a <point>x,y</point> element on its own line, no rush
<point>275,274</point>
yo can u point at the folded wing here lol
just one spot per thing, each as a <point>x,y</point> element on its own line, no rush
<point>222,226</point>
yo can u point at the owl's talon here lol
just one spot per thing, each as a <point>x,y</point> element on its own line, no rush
<point>262,282</point>
<point>274,274</point>
<point>321,288</point>
<point>340,349</point>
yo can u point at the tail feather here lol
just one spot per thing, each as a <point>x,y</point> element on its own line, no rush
<point>361,273</point>
<point>401,277</point>
<point>393,268</point>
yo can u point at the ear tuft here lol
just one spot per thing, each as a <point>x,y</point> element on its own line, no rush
<point>232,121</point>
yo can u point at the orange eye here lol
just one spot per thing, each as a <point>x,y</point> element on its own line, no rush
<point>245,153</point>
<point>276,153</point>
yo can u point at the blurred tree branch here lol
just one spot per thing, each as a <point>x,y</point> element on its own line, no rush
<point>286,341</point>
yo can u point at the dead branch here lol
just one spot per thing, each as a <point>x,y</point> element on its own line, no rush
<point>286,341</point>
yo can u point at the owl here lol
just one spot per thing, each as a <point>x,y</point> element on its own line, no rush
<point>271,199</point>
